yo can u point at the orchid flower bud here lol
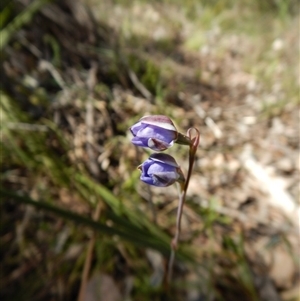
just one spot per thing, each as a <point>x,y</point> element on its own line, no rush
<point>161,170</point>
<point>156,132</point>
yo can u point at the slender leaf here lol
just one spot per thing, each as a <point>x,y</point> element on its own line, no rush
<point>19,21</point>
<point>139,237</point>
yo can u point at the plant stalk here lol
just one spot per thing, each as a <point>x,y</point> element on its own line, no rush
<point>182,196</point>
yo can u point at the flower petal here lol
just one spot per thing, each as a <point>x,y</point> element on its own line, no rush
<point>147,180</point>
<point>159,131</point>
<point>164,158</point>
<point>163,179</point>
<point>157,167</point>
<point>158,145</point>
<point>156,132</point>
<point>137,127</point>
<point>160,170</point>
<point>143,142</point>
<point>159,121</point>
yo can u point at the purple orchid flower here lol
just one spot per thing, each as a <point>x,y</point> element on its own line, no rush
<point>156,132</point>
<point>161,170</point>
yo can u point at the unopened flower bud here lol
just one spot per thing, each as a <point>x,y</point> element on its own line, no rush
<point>161,170</point>
<point>155,131</point>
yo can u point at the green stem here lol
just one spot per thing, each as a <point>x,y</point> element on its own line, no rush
<point>183,139</point>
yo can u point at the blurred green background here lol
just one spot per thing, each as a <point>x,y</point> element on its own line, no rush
<point>76,223</point>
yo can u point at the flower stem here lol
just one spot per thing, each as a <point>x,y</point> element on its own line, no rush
<point>174,242</point>
<point>182,196</point>
<point>183,139</point>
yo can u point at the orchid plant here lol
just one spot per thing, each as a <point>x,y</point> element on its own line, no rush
<point>159,133</point>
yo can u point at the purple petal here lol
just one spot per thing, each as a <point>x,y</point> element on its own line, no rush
<point>158,145</point>
<point>158,133</point>
<point>137,127</point>
<point>157,167</point>
<point>148,180</point>
<point>143,142</point>
<point>160,170</point>
<point>145,166</point>
<point>165,178</point>
<point>161,121</point>
<point>164,158</point>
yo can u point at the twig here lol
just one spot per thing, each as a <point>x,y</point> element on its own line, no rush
<point>89,120</point>
<point>208,121</point>
<point>214,127</point>
<point>91,82</point>
<point>45,65</point>
<point>27,127</point>
<point>146,193</point>
<point>151,205</point>
<point>146,93</point>
<point>88,259</point>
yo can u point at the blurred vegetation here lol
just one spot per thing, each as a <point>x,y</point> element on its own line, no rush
<point>54,175</point>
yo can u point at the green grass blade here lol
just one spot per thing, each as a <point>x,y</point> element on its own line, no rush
<point>136,236</point>
<point>19,21</point>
